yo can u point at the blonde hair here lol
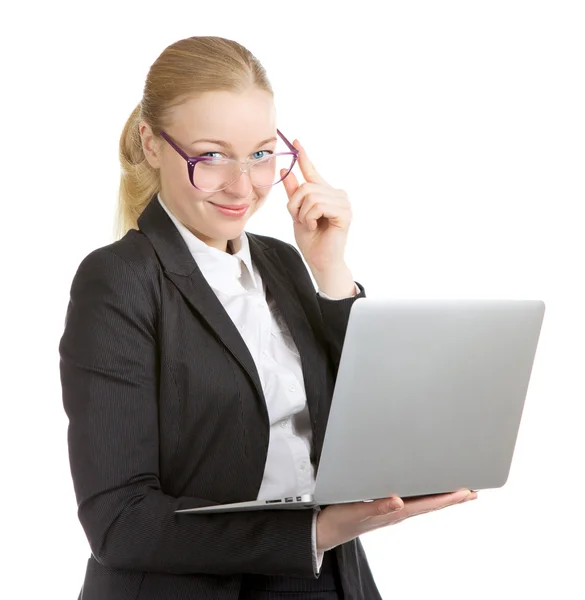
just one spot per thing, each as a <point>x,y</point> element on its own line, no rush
<point>185,69</point>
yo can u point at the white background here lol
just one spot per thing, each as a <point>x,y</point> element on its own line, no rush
<point>458,130</point>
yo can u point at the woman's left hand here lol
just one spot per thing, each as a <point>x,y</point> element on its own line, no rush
<point>321,214</point>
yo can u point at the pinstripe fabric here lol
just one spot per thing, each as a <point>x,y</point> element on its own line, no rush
<point>327,587</point>
<point>166,411</point>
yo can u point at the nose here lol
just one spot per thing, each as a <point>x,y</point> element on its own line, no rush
<point>242,186</point>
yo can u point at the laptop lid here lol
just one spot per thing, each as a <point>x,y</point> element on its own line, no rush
<point>428,398</point>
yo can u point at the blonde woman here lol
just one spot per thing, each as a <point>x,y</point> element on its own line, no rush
<point>198,361</point>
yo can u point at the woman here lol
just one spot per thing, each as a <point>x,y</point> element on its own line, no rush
<point>198,361</point>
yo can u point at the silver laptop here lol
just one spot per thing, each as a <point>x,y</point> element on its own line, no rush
<point>428,399</point>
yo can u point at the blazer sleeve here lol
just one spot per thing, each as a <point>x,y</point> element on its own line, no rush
<point>109,374</point>
<point>334,313</point>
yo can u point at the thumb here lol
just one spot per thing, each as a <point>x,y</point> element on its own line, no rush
<point>384,506</point>
<point>290,182</point>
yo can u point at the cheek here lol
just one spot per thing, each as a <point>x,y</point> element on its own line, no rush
<point>261,196</point>
<point>173,178</point>
<point>185,199</point>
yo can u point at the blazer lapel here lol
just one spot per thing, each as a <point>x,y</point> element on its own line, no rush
<point>181,268</point>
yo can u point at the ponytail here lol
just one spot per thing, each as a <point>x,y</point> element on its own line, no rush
<point>139,181</point>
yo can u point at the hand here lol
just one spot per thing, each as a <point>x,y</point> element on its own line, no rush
<point>321,215</point>
<point>340,523</point>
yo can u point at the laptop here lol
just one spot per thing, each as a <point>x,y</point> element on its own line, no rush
<point>428,399</point>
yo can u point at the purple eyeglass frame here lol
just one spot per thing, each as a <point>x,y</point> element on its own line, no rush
<point>193,160</point>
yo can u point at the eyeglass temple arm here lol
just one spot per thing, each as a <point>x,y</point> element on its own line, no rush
<point>179,150</point>
<point>290,146</point>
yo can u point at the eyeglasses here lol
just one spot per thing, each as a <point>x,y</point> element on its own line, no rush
<point>210,174</point>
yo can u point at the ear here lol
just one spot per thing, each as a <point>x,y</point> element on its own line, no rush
<point>150,144</point>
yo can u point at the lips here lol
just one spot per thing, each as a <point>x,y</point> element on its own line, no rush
<point>235,211</point>
<point>235,207</point>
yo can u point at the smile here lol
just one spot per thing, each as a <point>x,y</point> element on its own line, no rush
<point>232,211</point>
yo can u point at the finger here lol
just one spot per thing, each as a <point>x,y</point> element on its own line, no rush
<point>290,182</point>
<point>293,190</point>
<point>420,505</point>
<point>460,491</point>
<point>416,506</point>
<point>472,496</point>
<point>310,201</point>
<point>338,216</point>
<point>316,188</point>
<point>300,196</point>
<point>307,168</point>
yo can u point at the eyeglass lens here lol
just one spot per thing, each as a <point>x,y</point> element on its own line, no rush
<point>217,174</point>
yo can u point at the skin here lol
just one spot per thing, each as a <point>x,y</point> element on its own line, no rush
<point>321,216</point>
<point>243,120</point>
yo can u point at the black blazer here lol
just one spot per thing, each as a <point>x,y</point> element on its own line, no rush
<point>166,411</point>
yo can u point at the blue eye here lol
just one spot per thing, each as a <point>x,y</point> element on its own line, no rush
<point>261,154</point>
<point>210,154</point>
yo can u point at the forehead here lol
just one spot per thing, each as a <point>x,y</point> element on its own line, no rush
<point>230,116</point>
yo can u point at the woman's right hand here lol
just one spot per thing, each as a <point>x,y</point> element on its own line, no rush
<point>340,523</point>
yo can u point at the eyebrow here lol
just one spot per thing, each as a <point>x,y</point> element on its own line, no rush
<point>227,145</point>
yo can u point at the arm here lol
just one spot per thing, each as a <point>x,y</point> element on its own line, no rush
<point>109,375</point>
<point>335,318</point>
<point>334,312</point>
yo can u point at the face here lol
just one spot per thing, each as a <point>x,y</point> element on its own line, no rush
<point>216,124</point>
